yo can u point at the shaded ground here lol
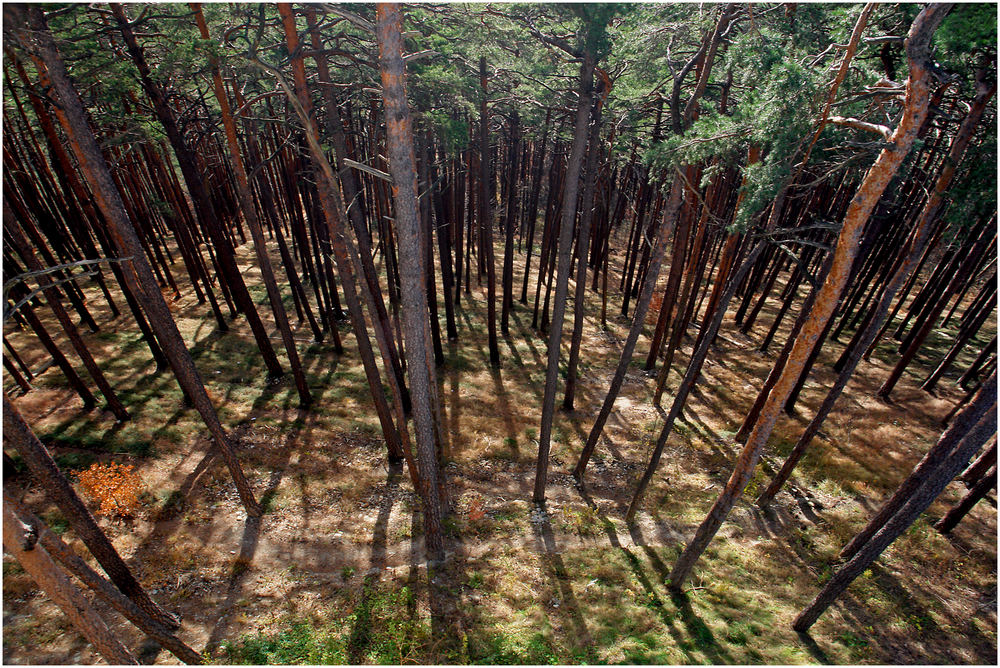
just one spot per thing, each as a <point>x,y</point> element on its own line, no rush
<point>334,571</point>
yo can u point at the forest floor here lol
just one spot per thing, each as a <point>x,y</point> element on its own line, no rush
<point>335,572</point>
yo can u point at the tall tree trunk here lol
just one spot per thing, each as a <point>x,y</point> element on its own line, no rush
<point>196,187</point>
<point>583,247</point>
<point>486,220</point>
<point>344,251</point>
<point>913,252</point>
<point>638,322</point>
<point>565,258</point>
<point>402,165</point>
<point>20,242</point>
<point>513,156</point>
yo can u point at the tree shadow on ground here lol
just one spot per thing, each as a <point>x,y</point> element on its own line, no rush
<point>243,562</point>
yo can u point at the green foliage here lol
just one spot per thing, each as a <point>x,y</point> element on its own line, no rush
<point>504,648</point>
<point>967,37</point>
<point>775,114</point>
<point>298,644</point>
<point>56,521</point>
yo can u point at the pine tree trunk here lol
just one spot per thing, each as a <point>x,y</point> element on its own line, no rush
<point>916,503</point>
<point>250,214</point>
<point>344,251</point>
<point>402,166</point>
<point>874,184</point>
<point>962,508</point>
<point>583,247</point>
<point>486,220</point>
<point>203,205</point>
<point>58,489</point>
<point>68,559</point>
<point>19,540</point>
<point>565,257</point>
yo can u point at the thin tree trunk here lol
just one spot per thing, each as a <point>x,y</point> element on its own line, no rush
<point>565,256</point>
<point>583,247</point>
<point>486,220</point>
<point>344,251</point>
<point>250,214</point>
<point>915,250</point>
<point>962,508</point>
<point>638,322</point>
<point>20,242</point>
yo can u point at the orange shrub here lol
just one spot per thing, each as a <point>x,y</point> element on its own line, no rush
<point>115,486</point>
<point>476,511</point>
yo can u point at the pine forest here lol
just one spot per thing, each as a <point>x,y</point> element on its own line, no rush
<point>506,333</point>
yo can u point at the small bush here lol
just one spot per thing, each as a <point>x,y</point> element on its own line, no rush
<point>116,487</point>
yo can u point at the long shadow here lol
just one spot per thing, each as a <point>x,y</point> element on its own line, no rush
<point>553,563</point>
<point>698,630</point>
<point>815,650</point>
<point>360,635</point>
<point>695,627</point>
<point>505,410</point>
<point>248,542</point>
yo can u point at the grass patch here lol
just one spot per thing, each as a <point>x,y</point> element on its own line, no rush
<point>380,630</point>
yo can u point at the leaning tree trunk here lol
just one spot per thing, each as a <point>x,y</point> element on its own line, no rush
<point>137,273</point>
<point>43,468</point>
<point>202,204</point>
<point>914,251</point>
<point>962,508</point>
<point>565,255</point>
<point>71,561</point>
<point>344,252</point>
<point>930,487</point>
<point>17,238</point>
<point>638,322</point>
<point>19,539</point>
<point>250,214</point>
<point>861,207</point>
